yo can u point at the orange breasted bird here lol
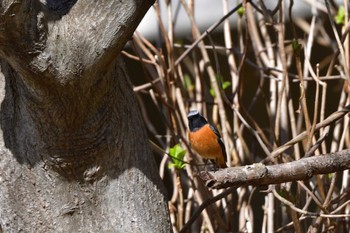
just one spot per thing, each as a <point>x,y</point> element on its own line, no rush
<point>205,139</point>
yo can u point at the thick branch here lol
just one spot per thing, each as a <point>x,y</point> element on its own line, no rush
<point>260,174</point>
<point>68,39</point>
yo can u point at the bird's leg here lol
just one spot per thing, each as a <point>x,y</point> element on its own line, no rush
<point>214,164</point>
<point>205,164</point>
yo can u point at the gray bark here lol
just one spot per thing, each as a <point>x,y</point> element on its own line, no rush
<point>74,153</point>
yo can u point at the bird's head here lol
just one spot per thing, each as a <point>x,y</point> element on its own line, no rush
<point>195,120</point>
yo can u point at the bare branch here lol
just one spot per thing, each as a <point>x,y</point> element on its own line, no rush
<point>260,174</point>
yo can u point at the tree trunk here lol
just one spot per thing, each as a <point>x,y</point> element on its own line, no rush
<point>74,153</point>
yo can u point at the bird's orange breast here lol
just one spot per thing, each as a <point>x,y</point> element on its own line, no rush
<point>205,142</point>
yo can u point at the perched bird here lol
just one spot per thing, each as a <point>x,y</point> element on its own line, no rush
<point>205,139</point>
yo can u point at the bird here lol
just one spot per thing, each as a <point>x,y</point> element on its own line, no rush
<point>205,139</point>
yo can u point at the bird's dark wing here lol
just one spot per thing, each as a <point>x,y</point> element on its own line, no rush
<point>221,142</point>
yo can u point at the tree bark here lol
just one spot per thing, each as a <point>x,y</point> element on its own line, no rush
<point>74,153</point>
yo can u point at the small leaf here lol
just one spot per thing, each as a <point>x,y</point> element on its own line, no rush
<point>330,175</point>
<point>240,11</point>
<point>212,92</point>
<point>296,47</point>
<point>340,17</point>
<point>177,154</point>
<point>224,85</point>
<point>188,83</point>
<point>282,192</point>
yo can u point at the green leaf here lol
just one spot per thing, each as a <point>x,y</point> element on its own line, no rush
<point>177,154</point>
<point>212,92</point>
<point>340,17</point>
<point>240,11</point>
<point>296,47</point>
<point>224,85</point>
<point>188,83</point>
<point>330,175</point>
<point>282,192</point>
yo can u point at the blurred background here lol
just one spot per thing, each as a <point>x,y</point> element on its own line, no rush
<point>206,12</point>
<point>262,72</point>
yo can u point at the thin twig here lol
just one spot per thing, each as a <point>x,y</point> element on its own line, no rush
<point>209,30</point>
<point>204,205</point>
